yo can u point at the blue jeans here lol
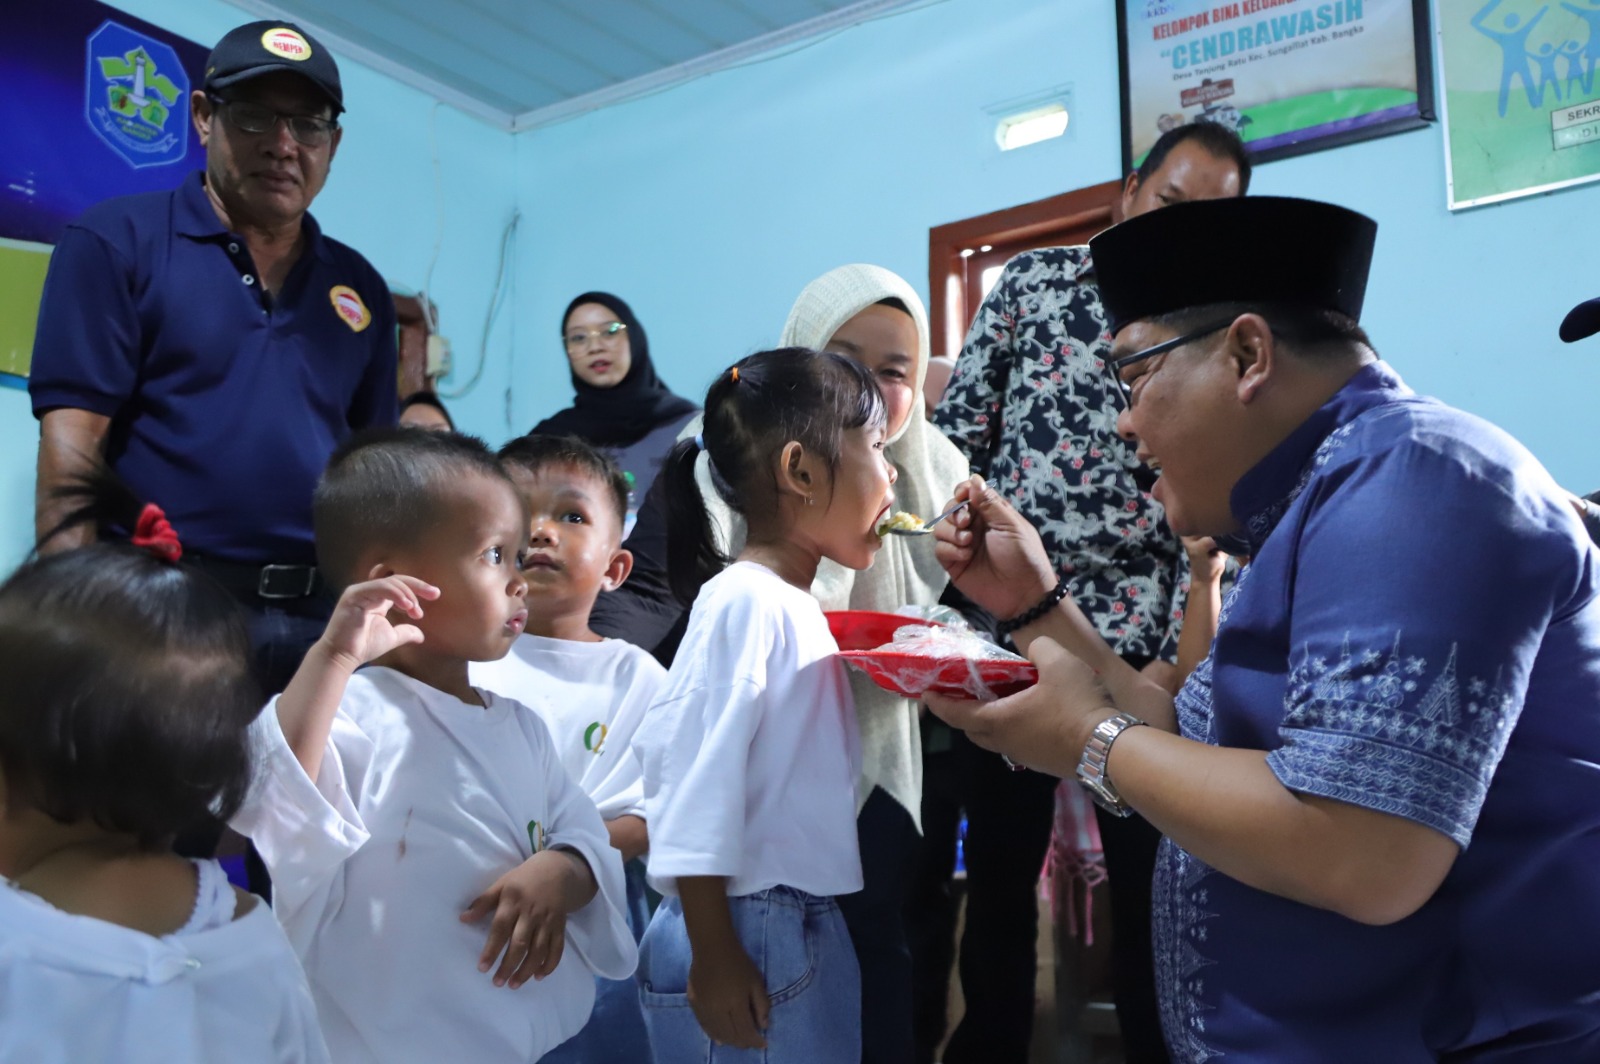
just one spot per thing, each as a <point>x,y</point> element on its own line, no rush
<point>799,943</point>
<point>615,1032</point>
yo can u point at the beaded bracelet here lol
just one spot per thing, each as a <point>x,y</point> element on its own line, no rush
<point>1045,605</point>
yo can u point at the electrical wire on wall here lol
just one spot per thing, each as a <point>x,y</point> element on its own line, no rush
<point>425,296</point>
<point>496,297</point>
<point>496,301</point>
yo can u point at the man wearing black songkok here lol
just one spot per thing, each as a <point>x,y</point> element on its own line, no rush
<point>1379,794</point>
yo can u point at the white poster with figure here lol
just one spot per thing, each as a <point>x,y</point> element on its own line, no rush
<point>1521,107</point>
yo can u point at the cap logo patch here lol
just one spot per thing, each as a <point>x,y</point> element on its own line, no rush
<point>347,304</point>
<point>286,43</point>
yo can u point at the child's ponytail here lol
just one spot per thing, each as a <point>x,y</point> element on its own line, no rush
<point>129,685</point>
<point>99,499</point>
<point>752,411</point>
<point>692,553</point>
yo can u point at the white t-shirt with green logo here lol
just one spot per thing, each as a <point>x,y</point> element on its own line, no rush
<point>592,697</point>
<point>752,753</point>
<point>421,803</point>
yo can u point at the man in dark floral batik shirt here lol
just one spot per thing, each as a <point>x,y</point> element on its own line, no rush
<point>1031,406</point>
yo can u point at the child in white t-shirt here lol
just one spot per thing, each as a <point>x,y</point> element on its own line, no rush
<point>401,808</point>
<point>124,718</point>
<point>591,692</point>
<point>751,754</point>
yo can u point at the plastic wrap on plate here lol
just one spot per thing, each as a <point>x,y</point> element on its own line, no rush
<point>945,642</point>
<point>946,615</point>
<point>946,660</point>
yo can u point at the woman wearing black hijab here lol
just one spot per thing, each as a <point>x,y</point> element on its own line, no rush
<point>622,407</point>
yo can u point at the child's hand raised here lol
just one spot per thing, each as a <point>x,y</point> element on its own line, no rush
<point>360,631</point>
<point>530,904</point>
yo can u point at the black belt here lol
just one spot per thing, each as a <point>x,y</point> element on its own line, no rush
<point>272,582</point>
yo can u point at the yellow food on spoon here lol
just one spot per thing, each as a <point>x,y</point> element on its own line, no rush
<point>905,522</point>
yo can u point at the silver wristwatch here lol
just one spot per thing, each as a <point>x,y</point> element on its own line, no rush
<point>1092,765</point>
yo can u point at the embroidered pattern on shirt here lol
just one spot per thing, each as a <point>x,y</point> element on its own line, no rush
<point>1193,704</point>
<point>1178,914</point>
<point>1393,731</point>
<point>1178,926</point>
<point>1261,524</point>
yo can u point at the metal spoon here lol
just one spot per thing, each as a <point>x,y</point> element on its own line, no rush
<point>927,527</point>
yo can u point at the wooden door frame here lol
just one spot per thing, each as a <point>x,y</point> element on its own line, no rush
<point>414,332</point>
<point>1098,205</point>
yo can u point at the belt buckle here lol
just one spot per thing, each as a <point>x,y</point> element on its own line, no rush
<point>286,581</point>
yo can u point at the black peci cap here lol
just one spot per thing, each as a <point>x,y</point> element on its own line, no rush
<point>1248,249</point>
<point>1581,321</point>
<point>264,47</point>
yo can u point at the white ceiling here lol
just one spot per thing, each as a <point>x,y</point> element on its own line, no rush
<point>526,63</point>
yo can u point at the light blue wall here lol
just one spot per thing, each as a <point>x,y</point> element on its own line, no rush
<point>381,200</point>
<point>19,446</point>
<point>710,205</point>
<point>1466,305</point>
<point>382,197</point>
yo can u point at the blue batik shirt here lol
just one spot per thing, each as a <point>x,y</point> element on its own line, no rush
<point>1418,634</point>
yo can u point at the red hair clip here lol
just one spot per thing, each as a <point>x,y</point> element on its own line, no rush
<point>155,534</point>
<point>734,373</point>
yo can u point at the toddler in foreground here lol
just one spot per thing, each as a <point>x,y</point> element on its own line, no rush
<point>124,717</point>
<point>591,692</point>
<point>401,809</point>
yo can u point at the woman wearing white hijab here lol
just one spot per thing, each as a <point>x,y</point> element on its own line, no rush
<point>873,316</point>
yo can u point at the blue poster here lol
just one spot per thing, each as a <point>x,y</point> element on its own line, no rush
<point>107,113</point>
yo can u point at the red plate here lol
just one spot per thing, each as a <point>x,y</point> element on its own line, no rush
<point>867,630</point>
<point>913,675</point>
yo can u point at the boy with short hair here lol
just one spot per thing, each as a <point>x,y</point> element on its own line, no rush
<point>591,692</point>
<point>401,806</point>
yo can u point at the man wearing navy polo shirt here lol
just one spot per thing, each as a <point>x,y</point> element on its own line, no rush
<point>214,347</point>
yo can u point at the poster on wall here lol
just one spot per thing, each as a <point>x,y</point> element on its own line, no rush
<point>101,109</point>
<point>1521,107</point>
<point>1289,76</point>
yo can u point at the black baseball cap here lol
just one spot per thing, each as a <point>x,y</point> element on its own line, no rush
<point>1581,321</point>
<point>258,48</point>
<point>1243,249</point>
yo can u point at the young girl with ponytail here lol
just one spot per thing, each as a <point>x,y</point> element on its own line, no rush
<point>124,717</point>
<point>751,755</point>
